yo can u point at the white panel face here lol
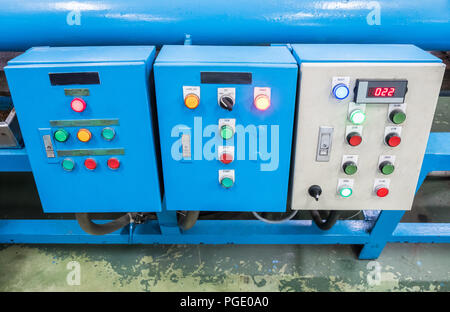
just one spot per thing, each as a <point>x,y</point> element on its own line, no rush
<point>318,108</point>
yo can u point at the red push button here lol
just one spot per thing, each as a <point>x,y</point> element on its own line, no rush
<point>382,192</point>
<point>113,163</point>
<point>393,140</point>
<point>354,139</point>
<point>78,105</point>
<point>90,164</point>
<point>226,158</point>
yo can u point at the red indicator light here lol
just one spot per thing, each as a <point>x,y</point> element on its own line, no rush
<point>393,140</point>
<point>381,92</point>
<point>90,164</point>
<point>78,105</point>
<point>354,139</point>
<point>113,163</point>
<point>226,158</point>
<point>382,192</point>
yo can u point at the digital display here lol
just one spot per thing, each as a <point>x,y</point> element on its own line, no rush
<point>381,92</point>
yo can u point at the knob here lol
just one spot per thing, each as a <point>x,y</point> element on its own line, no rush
<point>226,102</point>
<point>386,167</point>
<point>393,139</point>
<point>354,138</point>
<point>382,191</point>
<point>315,191</point>
<point>397,116</point>
<point>350,167</point>
<point>340,91</point>
<point>345,191</point>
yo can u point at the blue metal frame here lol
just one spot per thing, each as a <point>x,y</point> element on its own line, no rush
<point>377,229</point>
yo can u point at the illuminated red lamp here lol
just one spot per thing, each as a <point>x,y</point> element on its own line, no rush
<point>78,105</point>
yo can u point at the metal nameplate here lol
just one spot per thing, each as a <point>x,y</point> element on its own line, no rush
<point>84,122</point>
<point>76,92</point>
<point>91,152</point>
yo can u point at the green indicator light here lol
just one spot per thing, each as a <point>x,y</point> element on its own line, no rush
<point>68,164</point>
<point>108,134</point>
<point>357,117</point>
<point>398,117</point>
<point>226,182</point>
<point>350,168</point>
<point>346,192</point>
<point>387,168</point>
<point>61,135</point>
<point>226,132</point>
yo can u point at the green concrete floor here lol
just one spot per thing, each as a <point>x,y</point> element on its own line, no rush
<point>401,267</point>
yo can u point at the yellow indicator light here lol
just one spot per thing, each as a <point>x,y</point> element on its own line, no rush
<point>262,102</point>
<point>84,135</point>
<point>191,101</point>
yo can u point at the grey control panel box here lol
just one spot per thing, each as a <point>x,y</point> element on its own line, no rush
<point>363,119</point>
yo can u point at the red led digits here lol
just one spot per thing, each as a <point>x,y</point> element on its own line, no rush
<point>381,92</point>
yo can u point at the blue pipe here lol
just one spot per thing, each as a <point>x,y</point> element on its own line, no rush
<point>27,23</point>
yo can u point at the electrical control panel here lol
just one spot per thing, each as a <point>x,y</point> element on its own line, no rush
<point>225,121</point>
<point>85,116</point>
<point>364,115</point>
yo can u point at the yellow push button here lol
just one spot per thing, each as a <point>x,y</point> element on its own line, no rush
<point>84,135</point>
<point>191,101</point>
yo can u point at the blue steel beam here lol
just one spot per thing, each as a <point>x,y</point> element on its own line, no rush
<point>27,23</point>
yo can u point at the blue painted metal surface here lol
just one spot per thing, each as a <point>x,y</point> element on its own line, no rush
<point>261,167</point>
<point>121,95</point>
<point>28,23</point>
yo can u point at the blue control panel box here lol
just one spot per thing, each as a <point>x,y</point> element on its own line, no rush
<point>226,116</point>
<point>85,116</point>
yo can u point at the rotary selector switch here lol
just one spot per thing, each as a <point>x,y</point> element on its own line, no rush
<point>226,102</point>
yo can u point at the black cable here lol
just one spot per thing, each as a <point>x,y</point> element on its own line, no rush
<point>85,222</point>
<point>325,224</point>
<point>187,219</point>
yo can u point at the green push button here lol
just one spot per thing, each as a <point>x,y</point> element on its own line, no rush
<point>227,182</point>
<point>61,135</point>
<point>108,134</point>
<point>350,168</point>
<point>68,164</point>
<point>226,132</point>
<point>386,167</point>
<point>397,117</point>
